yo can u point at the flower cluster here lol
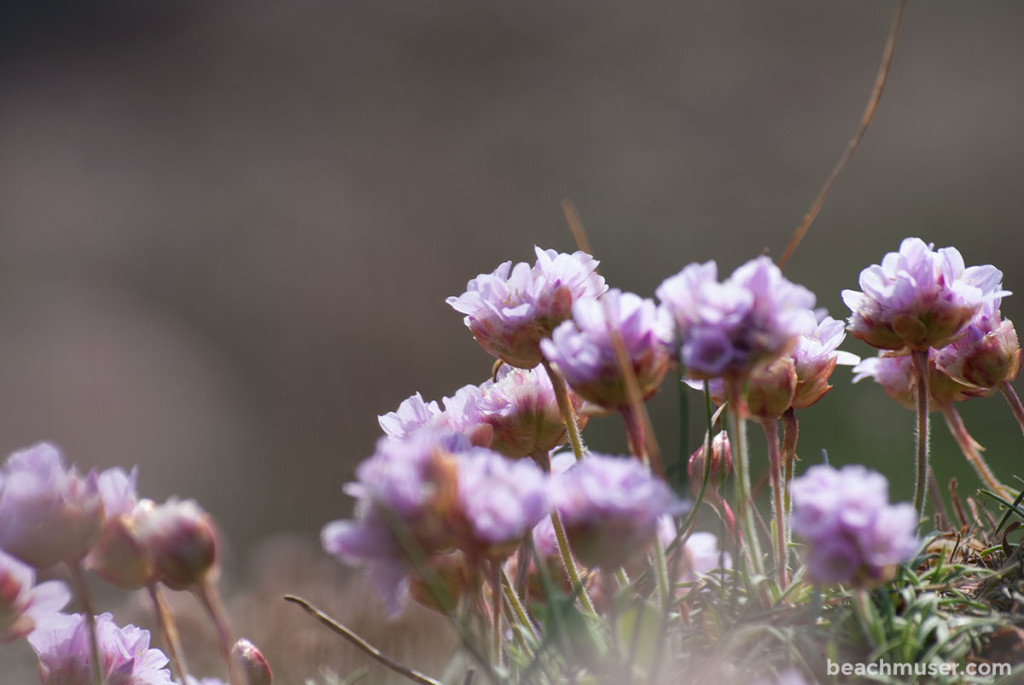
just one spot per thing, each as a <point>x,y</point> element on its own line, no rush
<point>584,352</point>
<point>728,329</point>
<point>853,534</point>
<point>63,649</point>
<point>49,515</point>
<point>512,309</point>
<point>430,494</point>
<point>919,297</point>
<point>515,414</point>
<point>611,507</point>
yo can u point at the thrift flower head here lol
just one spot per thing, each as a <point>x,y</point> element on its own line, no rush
<point>610,507</point>
<point>461,414</point>
<point>815,357</point>
<point>897,378</point>
<point>919,298</point>
<point>499,501</point>
<point>408,488</point>
<point>23,604</point>
<point>988,354</point>
<point>522,411</point>
<point>853,534</point>
<point>584,352</point>
<point>512,309</point>
<point>728,329</point>
<point>48,514</point>
<point>62,646</point>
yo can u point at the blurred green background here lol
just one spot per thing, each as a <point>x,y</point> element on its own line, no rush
<point>227,229</point>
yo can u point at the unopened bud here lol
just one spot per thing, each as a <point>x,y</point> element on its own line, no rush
<point>183,541</point>
<point>252,663</point>
<point>721,464</point>
<point>120,556</point>
<point>994,359</point>
<point>770,389</point>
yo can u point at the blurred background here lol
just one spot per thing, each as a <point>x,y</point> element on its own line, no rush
<point>227,229</point>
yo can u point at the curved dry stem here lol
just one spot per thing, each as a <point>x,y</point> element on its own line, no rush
<point>362,644</point>
<point>968,446</point>
<point>169,631</point>
<point>851,147</point>
<point>1014,401</point>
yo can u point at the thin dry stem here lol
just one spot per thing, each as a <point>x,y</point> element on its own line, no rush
<point>362,644</point>
<point>968,446</point>
<point>851,147</point>
<point>165,621</point>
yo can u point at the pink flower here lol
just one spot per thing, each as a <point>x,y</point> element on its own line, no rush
<point>63,649</point>
<point>919,298</point>
<point>583,349</point>
<point>728,329</point>
<point>896,376</point>
<point>499,501</point>
<point>521,409</point>
<point>24,606</point>
<point>512,309</point>
<point>610,507</point>
<point>48,514</point>
<point>853,534</point>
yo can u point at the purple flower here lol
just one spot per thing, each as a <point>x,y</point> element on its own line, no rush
<point>584,352</point>
<point>610,507</point>
<point>512,309</point>
<point>919,298</point>
<point>815,357</point>
<point>63,649</point>
<point>853,534</point>
<point>522,411</point>
<point>24,606</point>
<point>728,329</point>
<point>499,501</point>
<point>408,489</point>
<point>896,376</point>
<point>461,414</point>
<point>48,514</point>
<point>411,414</point>
<point>987,355</point>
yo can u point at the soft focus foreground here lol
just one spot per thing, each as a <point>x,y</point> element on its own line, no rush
<point>551,563</point>
<point>442,514</point>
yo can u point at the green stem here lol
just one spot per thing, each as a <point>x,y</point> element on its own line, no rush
<point>741,465</point>
<point>771,433</point>
<point>565,407</point>
<point>569,563</point>
<point>920,360</point>
<point>516,604</point>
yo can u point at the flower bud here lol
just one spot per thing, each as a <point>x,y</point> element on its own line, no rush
<point>121,557</point>
<point>721,464</point>
<point>183,541</point>
<point>252,663</point>
<point>770,389</point>
<point>24,605</point>
<point>988,354</point>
